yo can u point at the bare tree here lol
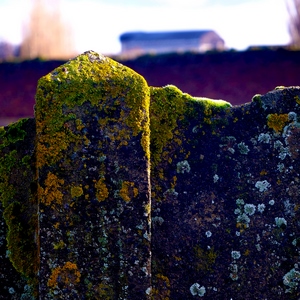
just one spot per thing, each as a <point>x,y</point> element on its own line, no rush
<point>7,51</point>
<point>46,35</point>
<point>293,7</point>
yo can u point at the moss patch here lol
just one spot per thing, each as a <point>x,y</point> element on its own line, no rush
<point>89,78</point>
<point>17,194</point>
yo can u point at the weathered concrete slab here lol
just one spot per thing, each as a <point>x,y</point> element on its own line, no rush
<point>225,197</point>
<point>93,181</point>
<point>223,218</point>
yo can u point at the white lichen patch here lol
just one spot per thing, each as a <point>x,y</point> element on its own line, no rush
<point>262,186</point>
<point>183,166</point>
<point>196,290</point>
<point>264,138</point>
<point>280,221</point>
<point>261,207</point>
<point>272,202</point>
<point>243,148</point>
<point>235,254</point>
<point>249,209</point>
<point>216,178</point>
<point>208,234</point>
<point>291,280</point>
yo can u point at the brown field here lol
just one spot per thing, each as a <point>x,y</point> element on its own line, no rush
<point>232,76</point>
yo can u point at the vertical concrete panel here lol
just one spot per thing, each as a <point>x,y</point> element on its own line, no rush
<point>225,196</point>
<point>93,181</point>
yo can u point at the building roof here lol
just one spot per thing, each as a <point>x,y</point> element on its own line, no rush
<point>149,36</point>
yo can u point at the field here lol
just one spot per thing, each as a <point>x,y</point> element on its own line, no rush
<point>232,76</point>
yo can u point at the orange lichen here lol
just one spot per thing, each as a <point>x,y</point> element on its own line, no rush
<point>101,190</point>
<point>56,225</point>
<point>263,172</point>
<point>128,191</point>
<point>277,121</point>
<point>51,194</point>
<point>67,276</point>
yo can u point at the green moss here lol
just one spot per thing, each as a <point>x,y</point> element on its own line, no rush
<point>297,99</point>
<point>20,242</point>
<point>104,291</point>
<point>12,134</point>
<point>169,108</point>
<point>257,99</point>
<point>20,211</point>
<point>172,113</point>
<point>7,190</point>
<point>59,245</point>
<point>204,259</point>
<point>76,191</point>
<point>104,84</point>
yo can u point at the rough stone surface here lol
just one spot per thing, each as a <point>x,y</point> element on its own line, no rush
<point>225,198</point>
<point>92,119</point>
<point>224,208</point>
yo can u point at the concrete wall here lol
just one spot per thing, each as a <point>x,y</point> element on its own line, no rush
<point>118,190</point>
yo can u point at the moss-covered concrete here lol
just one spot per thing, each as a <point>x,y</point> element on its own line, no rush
<point>225,198</point>
<point>93,140</point>
<point>223,218</point>
<point>19,210</point>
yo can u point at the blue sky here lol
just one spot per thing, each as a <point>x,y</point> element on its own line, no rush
<point>97,24</point>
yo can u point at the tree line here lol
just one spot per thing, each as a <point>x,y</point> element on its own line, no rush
<point>46,35</point>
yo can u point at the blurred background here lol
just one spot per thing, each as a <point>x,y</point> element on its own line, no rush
<point>222,49</point>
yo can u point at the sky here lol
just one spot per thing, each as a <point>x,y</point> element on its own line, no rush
<point>97,24</point>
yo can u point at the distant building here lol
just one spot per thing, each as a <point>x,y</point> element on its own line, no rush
<point>137,43</point>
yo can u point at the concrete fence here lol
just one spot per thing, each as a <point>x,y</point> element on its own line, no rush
<point>118,190</point>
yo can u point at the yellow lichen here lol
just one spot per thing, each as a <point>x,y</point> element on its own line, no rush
<point>104,291</point>
<point>147,209</point>
<point>59,245</point>
<point>76,191</point>
<point>297,98</point>
<point>162,288</point>
<point>277,121</point>
<point>101,190</point>
<point>263,172</point>
<point>51,145</point>
<point>56,225</point>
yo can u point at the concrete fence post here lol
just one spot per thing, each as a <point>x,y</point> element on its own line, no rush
<point>92,144</point>
<point>117,190</point>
